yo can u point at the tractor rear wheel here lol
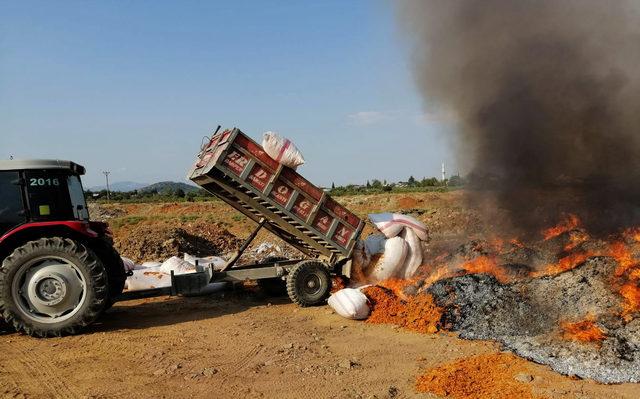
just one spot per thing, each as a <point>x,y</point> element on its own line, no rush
<point>115,269</point>
<point>309,283</point>
<point>52,287</point>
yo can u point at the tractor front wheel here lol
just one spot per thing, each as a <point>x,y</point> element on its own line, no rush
<point>52,287</point>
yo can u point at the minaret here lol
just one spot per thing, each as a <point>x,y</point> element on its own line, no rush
<point>444,173</point>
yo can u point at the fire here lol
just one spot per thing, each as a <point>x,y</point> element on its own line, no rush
<point>632,234</point>
<point>631,294</point>
<point>565,263</point>
<point>484,264</point>
<point>584,331</point>
<point>396,285</point>
<point>576,238</point>
<point>621,253</point>
<point>438,273</point>
<point>570,222</point>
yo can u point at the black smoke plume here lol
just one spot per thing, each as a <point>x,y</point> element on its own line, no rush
<point>546,99</point>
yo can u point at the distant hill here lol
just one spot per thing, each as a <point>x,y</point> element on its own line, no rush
<point>121,186</point>
<point>169,186</point>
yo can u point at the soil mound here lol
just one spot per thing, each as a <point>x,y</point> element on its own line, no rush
<point>146,243</point>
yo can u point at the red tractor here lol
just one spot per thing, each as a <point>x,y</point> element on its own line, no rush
<point>59,270</point>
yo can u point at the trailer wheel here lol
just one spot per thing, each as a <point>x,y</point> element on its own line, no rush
<point>273,286</point>
<point>52,287</point>
<point>309,283</point>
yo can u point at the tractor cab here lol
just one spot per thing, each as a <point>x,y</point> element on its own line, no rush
<point>40,191</point>
<point>59,271</point>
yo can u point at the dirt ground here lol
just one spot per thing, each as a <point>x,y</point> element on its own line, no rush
<point>242,344</point>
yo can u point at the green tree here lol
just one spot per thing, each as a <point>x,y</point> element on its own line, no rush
<point>412,181</point>
<point>179,193</point>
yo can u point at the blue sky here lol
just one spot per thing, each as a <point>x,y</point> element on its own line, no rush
<point>133,86</point>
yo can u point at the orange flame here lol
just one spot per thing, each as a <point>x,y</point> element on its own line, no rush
<point>631,294</point>
<point>621,253</point>
<point>438,273</point>
<point>576,238</point>
<point>566,263</point>
<point>484,264</point>
<point>632,234</point>
<point>570,222</point>
<point>584,331</point>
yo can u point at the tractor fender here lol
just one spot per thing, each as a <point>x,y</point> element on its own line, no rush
<point>34,231</point>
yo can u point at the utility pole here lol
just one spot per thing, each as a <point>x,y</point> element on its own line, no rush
<point>444,173</point>
<point>106,176</point>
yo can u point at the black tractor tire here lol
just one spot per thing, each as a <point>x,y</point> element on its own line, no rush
<point>116,274</point>
<point>309,283</point>
<point>86,265</point>
<point>275,287</point>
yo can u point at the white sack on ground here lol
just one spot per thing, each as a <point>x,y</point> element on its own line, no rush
<point>282,150</point>
<point>129,265</point>
<point>391,224</point>
<point>178,266</point>
<point>148,278</point>
<point>390,263</point>
<point>148,264</point>
<point>414,253</point>
<point>217,262</point>
<point>350,303</point>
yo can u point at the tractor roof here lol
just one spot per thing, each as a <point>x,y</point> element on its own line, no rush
<point>42,164</point>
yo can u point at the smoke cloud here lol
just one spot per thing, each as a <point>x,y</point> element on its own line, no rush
<point>546,94</point>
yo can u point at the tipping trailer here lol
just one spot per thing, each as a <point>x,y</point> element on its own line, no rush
<point>237,170</point>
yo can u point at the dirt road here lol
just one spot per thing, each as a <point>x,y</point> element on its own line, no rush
<point>240,346</point>
<point>244,345</point>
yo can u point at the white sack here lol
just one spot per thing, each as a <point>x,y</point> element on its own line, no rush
<point>128,264</point>
<point>178,266</point>
<point>391,262</point>
<point>148,278</point>
<point>391,224</point>
<point>217,262</point>
<point>145,265</point>
<point>414,253</point>
<point>350,303</point>
<point>282,150</point>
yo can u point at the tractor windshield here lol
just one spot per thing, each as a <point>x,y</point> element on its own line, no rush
<point>55,195</point>
<point>78,201</point>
